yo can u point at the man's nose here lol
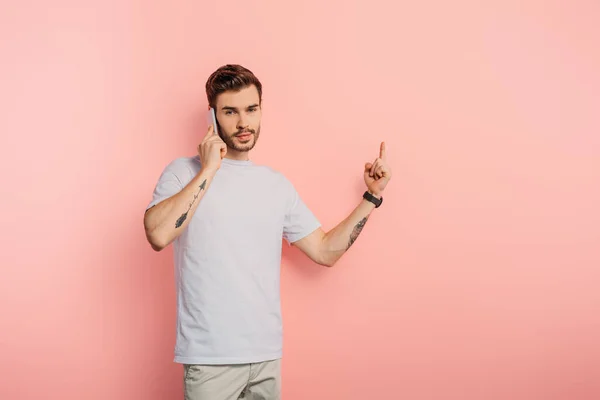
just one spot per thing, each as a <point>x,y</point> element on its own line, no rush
<point>242,123</point>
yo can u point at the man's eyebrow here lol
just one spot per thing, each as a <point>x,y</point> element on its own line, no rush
<point>236,109</point>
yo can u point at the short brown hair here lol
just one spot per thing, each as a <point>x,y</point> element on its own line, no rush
<point>230,77</point>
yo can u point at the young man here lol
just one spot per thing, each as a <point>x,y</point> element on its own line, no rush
<point>226,218</point>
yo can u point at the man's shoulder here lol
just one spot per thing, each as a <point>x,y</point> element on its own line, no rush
<point>184,162</point>
<point>183,168</point>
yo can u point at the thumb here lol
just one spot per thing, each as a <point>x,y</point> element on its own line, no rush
<point>368,166</point>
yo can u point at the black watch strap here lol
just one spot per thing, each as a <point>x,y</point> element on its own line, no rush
<point>369,197</point>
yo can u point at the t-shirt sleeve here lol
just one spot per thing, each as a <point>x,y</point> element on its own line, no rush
<point>169,183</point>
<point>299,220</point>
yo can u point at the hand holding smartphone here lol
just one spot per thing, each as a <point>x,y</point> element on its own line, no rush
<point>212,149</point>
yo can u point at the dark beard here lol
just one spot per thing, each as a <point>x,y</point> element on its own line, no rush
<point>228,139</point>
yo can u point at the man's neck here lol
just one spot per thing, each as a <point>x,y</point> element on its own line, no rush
<point>237,155</point>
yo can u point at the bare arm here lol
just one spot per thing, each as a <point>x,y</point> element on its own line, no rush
<point>326,248</point>
<point>167,219</point>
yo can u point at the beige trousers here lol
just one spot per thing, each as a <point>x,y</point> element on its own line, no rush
<point>255,381</point>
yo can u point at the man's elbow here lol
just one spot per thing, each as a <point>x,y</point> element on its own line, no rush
<point>157,242</point>
<point>326,257</point>
<point>326,261</point>
<point>152,235</point>
<point>156,247</point>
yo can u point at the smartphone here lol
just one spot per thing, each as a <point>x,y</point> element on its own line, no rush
<point>212,120</point>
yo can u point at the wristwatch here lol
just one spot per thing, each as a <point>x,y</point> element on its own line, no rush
<point>369,197</point>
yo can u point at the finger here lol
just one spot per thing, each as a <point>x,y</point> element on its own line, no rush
<point>382,154</point>
<point>215,139</point>
<point>376,164</point>
<point>209,132</point>
<point>381,171</point>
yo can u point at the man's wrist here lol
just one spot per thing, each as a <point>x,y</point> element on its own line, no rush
<point>208,170</point>
<point>375,194</point>
<point>370,197</point>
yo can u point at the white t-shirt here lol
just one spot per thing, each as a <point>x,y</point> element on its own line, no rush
<point>228,261</point>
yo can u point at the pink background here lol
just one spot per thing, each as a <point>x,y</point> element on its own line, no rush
<point>477,279</point>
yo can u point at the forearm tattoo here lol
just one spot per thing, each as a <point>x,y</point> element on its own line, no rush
<point>356,231</point>
<point>183,217</point>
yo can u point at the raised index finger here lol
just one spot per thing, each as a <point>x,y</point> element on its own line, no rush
<point>382,151</point>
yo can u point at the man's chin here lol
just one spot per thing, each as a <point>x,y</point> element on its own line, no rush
<point>244,146</point>
<point>243,149</point>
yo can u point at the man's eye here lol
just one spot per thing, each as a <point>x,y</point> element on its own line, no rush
<point>252,110</point>
<point>228,112</point>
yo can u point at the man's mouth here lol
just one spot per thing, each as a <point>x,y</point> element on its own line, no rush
<point>244,135</point>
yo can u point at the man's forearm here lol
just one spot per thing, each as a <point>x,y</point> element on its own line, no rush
<point>165,221</point>
<point>338,240</point>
